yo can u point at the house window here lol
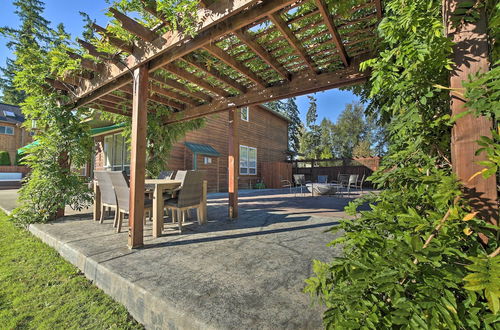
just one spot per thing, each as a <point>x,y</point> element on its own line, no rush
<point>245,114</point>
<point>7,130</point>
<point>116,154</point>
<point>248,160</point>
<point>9,113</point>
<point>207,160</point>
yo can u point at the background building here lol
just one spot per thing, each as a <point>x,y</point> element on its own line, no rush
<point>12,135</point>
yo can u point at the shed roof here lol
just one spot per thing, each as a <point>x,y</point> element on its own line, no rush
<point>202,149</point>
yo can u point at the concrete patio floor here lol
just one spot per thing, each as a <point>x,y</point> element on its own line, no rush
<point>247,273</point>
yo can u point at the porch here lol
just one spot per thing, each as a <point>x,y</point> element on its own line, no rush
<point>225,274</point>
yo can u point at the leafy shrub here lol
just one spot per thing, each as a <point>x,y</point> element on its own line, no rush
<point>415,260</point>
<point>4,158</point>
<point>19,159</point>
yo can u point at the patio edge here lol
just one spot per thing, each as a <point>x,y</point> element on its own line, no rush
<point>145,308</point>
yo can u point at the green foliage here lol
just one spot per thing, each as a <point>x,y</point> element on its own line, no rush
<point>4,158</point>
<point>414,260</point>
<point>289,109</point>
<point>19,159</point>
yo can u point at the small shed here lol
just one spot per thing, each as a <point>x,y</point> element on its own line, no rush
<point>202,158</point>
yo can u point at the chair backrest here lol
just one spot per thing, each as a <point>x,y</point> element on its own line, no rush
<point>362,179</point>
<point>165,175</point>
<point>344,178</point>
<point>180,176</point>
<point>299,178</point>
<point>107,191</point>
<point>353,179</point>
<point>191,191</point>
<point>322,178</point>
<point>122,189</point>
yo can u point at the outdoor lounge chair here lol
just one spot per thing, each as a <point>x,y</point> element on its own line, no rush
<point>189,197</point>
<point>108,196</point>
<point>359,184</point>
<point>353,180</point>
<point>122,191</point>
<point>300,181</point>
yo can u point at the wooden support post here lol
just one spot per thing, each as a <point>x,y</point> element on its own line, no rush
<point>233,162</point>
<point>97,201</point>
<point>138,157</point>
<point>470,56</point>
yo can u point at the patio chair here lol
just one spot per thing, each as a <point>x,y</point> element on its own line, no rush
<point>286,184</point>
<point>165,175</point>
<point>322,178</point>
<point>359,183</point>
<point>189,197</point>
<point>342,179</point>
<point>122,191</point>
<point>353,179</point>
<point>108,196</point>
<point>300,181</point>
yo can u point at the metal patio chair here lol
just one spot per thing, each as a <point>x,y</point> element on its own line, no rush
<point>165,175</point>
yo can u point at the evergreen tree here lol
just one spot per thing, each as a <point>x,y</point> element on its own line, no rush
<point>34,30</point>
<point>290,109</point>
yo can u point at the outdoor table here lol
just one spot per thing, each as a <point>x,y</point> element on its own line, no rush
<point>158,186</point>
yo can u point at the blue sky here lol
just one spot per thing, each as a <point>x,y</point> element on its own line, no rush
<point>330,103</point>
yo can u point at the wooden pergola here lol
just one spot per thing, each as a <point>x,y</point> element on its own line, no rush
<point>245,52</point>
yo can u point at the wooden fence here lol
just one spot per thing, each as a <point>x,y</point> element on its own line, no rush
<point>272,173</point>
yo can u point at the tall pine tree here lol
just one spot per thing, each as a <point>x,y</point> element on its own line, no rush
<point>33,30</point>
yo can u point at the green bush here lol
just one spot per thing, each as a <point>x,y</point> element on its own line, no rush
<point>19,159</point>
<point>4,158</point>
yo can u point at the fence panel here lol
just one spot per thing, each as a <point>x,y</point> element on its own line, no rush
<point>272,173</point>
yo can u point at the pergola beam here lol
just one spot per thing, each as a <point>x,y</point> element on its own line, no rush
<point>228,60</point>
<point>299,85</point>
<point>378,5</point>
<point>214,73</point>
<point>121,44</point>
<point>333,31</point>
<point>173,95</point>
<point>177,85</point>
<point>133,26</point>
<point>86,63</point>
<point>163,50</point>
<point>183,74</point>
<point>92,50</point>
<point>293,41</point>
<point>262,53</point>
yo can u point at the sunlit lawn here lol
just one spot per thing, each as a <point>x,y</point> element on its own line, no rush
<point>40,290</point>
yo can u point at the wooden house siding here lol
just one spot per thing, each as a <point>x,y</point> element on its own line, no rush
<point>265,131</point>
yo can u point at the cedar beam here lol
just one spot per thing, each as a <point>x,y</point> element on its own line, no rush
<point>86,63</point>
<point>174,46</point>
<point>138,157</point>
<point>151,7</point>
<point>471,57</point>
<point>167,102</point>
<point>177,85</point>
<point>173,95</point>
<point>333,31</point>
<point>293,41</point>
<point>123,45</point>
<point>227,59</point>
<point>233,162</point>
<point>263,54</point>
<point>92,50</point>
<point>378,5</point>
<point>299,85</point>
<point>183,74</point>
<point>133,26</point>
<point>56,84</point>
<point>214,73</point>
<point>99,106</point>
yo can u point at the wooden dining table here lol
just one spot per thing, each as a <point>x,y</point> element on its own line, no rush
<point>158,187</point>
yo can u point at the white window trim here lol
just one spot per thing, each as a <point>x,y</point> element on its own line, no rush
<point>248,114</point>
<point>248,167</point>
<point>5,131</point>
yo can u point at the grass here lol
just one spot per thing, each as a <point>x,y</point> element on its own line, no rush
<point>40,290</point>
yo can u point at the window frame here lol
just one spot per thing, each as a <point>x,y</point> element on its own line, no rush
<point>5,128</point>
<point>112,161</point>
<point>246,169</point>
<point>247,112</point>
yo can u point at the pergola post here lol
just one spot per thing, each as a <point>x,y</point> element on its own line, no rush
<point>138,157</point>
<point>470,56</point>
<point>233,162</point>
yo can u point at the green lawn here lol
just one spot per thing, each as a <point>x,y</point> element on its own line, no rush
<point>40,290</point>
